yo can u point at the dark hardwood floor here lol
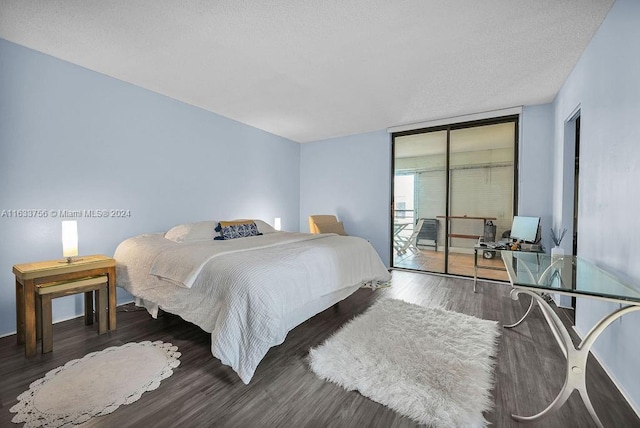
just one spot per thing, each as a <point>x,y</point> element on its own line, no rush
<point>285,393</point>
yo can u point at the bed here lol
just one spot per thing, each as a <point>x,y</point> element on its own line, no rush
<point>247,292</point>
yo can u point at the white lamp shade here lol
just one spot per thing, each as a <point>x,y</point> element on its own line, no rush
<point>69,238</point>
<point>277,223</point>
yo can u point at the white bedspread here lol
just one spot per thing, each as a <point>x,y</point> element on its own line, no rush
<point>242,290</point>
<point>181,264</point>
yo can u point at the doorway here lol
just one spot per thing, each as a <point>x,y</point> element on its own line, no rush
<point>576,185</point>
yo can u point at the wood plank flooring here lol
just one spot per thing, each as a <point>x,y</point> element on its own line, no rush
<point>285,393</point>
<point>459,263</point>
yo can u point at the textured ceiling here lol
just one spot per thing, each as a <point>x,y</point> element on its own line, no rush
<point>309,70</point>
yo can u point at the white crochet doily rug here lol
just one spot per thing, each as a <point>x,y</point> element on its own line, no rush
<point>96,384</point>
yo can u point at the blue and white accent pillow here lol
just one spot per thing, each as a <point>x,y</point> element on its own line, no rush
<point>236,229</point>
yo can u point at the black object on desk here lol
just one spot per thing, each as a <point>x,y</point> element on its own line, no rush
<point>489,250</point>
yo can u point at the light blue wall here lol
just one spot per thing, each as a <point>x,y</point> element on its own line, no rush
<point>535,171</point>
<point>605,84</point>
<point>351,178</point>
<point>71,138</point>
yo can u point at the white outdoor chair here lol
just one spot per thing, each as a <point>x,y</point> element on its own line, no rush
<point>411,243</point>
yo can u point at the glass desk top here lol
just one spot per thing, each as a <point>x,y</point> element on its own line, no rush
<point>566,275</point>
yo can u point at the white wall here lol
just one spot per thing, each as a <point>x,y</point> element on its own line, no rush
<point>74,139</point>
<point>351,178</point>
<point>605,84</point>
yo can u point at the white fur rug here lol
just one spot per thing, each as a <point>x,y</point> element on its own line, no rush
<point>432,365</point>
<point>96,384</point>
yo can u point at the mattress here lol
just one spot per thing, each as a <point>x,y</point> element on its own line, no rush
<point>248,293</point>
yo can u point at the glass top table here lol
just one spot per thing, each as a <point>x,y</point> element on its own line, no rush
<point>566,275</point>
<point>535,274</point>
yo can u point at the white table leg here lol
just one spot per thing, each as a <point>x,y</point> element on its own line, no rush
<point>514,296</point>
<point>575,376</point>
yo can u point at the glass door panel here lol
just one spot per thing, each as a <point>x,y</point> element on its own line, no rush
<point>481,195</point>
<point>420,201</point>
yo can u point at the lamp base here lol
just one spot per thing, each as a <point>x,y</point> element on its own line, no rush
<point>69,260</point>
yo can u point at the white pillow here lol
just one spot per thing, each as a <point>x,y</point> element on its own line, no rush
<point>201,231</point>
<point>264,227</point>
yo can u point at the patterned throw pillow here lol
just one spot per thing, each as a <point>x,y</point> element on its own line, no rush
<point>236,229</point>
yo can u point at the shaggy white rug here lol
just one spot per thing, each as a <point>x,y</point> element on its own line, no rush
<point>96,384</point>
<point>432,365</point>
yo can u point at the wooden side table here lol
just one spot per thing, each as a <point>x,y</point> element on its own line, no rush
<point>88,286</point>
<point>30,275</point>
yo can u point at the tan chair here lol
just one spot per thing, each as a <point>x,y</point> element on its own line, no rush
<point>326,224</point>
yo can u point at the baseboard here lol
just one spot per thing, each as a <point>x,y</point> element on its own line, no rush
<point>564,307</point>
<point>557,298</point>
<point>613,379</point>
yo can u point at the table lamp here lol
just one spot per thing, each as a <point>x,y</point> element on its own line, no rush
<point>69,240</point>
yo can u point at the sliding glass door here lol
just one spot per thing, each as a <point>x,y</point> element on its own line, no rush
<point>418,241</point>
<point>462,187</point>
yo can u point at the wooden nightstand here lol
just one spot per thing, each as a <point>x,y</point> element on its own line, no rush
<point>29,276</point>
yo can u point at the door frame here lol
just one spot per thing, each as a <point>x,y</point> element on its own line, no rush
<point>515,118</point>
